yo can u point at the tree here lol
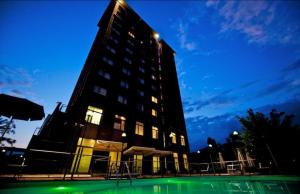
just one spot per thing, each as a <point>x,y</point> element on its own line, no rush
<point>6,127</point>
<point>273,138</point>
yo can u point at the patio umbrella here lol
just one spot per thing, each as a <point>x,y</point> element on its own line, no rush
<point>221,160</point>
<point>20,108</point>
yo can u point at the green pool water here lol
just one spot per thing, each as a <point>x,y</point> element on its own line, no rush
<point>182,185</point>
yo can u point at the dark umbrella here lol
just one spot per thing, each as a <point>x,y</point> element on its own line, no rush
<point>20,108</point>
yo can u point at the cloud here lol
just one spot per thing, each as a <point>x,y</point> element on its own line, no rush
<point>292,67</point>
<point>274,88</point>
<point>182,34</point>
<point>260,22</point>
<point>248,84</point>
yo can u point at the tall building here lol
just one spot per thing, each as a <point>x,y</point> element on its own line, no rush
<point>126,102</point>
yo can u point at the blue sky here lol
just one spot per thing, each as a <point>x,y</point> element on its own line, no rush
<point>231,55</point>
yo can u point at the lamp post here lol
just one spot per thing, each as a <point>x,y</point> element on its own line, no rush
<point>210,148</point>
<point>123,138</point>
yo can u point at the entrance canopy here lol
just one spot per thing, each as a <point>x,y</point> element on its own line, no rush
<point>111,146</point>
<point>146,151</point>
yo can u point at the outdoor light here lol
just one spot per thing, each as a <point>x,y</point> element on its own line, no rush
<point>171,134</point>
<point>123,134</point>
<point>235,133</point>
<point>198,152</point>
<point>210,145</point>
<point>21,156</point>
<point>156,36</point>
<point>3,150</point>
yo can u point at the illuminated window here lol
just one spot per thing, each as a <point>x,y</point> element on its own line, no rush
<point>154,113</point>
<point>137,164</point>
<point>124,84</point>
<point>154,132</point>
<point>131,34</point>
<point>122,99</point>
<point>104,74</point>
<point>119,123</point>
<point>182,140</point>
<point>141,93</point>
<point>111,49</point>
<point>100,90</point>
<point>126,71</point>
<point>93,115</point>
<point>153,99</point>
<point>175,156</point>
<point>108,61</point>
<point>156,164</point>
<point>153,77</point>
<point>139,128</point>
<point>127,60</point>
<point>173,137</point>
<point>141,69</point>
<point>141,81</point>
<point>140,107</point>
<point>185,162</point>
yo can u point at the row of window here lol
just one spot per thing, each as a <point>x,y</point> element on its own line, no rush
<point>93,115</point>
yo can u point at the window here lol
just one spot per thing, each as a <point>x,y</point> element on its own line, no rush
<point>154,113</point>
<point>124,84</point>
<point>129,51</point>
<point>182,140</point>
<point>141,80</point>
<point>153,99</point>
<point>115,31</point>
<point>175,156</point>
<point>137,164</point>
<point>122,99</point>
<point>104,74</point>
<point>93,115</point>
<point>173,137</point>
<point>126,71</point>
<point>141,69</point>
<point>139,128</point>
<point>111,49</point>
<point>156,164</point>
<point>108,61</point>
<point>140,107</point>
<point>154,132</point>
<point>127,60</point>
<point>114,40</point>
<point>153,77</point>
<point>141,93</point>
<point>119,123</point>
<point>100,90</point>
<point>185,162</point>
<point>153,87</point>
<point>131,34</point>
<point>130,42</point>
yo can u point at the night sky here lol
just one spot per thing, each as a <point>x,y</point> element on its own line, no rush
<point>231,56</point>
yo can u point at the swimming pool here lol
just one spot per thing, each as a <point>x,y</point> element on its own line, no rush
<point>176,185</point>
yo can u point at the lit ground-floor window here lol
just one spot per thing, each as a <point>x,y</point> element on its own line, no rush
<point>156,164</point>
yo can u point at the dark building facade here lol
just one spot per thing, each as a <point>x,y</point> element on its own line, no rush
<point>126,104</point>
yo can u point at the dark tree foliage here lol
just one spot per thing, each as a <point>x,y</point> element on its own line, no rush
<point>6,127</point>
<point>274,137</point>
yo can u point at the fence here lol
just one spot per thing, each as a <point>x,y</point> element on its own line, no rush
<point>58,165</point>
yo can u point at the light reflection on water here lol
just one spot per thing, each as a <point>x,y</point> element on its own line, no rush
<point>183,185</point>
